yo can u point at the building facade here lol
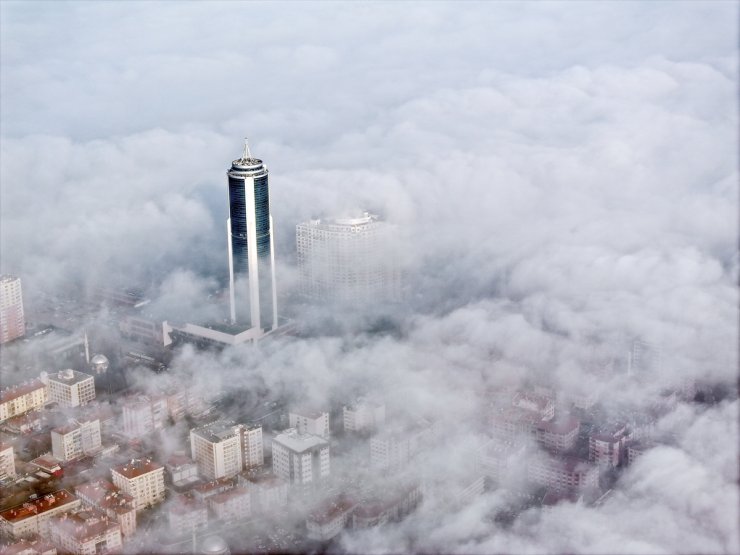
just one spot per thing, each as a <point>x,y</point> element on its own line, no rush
<point>142,479</point>
<point>12,319</point>
<point>348,260</point>
<point>300,459</point>
<point>7,461</point>
<point>252,292</point>
<point>143,415</point>
<point>70,388</point>
<point>363,415</point>
<point>314,422</point>
<point>85,532</point>
<point>32,517</point>
<point>253,455</point>
<point>78,438</point>
<point>115,504</point>
<point>217,449</point>
<point>19,399</point>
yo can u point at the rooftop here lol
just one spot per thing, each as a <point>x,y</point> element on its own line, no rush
<point>559,426</point>
<point>83,525</point>
<point>106,496</point>
<point>136,467</point>
<point>10,393</point>
<point>69,377</point>
<point>217,431</point>
<point>37,506</point>
<point>331,509</point>
<point>298,443</point>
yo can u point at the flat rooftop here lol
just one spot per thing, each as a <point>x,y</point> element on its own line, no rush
<point>298,443</point>
<point>217,431</point>
<point>38,506</point>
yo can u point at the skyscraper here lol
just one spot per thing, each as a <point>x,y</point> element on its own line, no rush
<point>348,260</point>
<point>252,293</point>
<point>12,321</point>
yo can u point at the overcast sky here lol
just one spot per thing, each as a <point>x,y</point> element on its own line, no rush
<point>565,176</point>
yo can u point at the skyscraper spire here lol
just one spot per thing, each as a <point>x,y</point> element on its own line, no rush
<point>247,154</point>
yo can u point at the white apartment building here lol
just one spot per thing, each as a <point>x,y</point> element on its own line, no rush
<point>562,473</point>
<point>300,459</point>
<point>7,461</point>
<point>314,422</point>
<point>107,498</point>
<point>19,399</point>
<point>12,320</point>
<point>142,479</point>
<point>143,415</point>
<point>390,451</point>
<point>268,492</point>
<point>85,532</point>
<point>252,446</point>
<point>231,505</point>
<point>349,260</point>
<point>32,517</point>
<point>78,438</point>
<point>69,388</point>
<point>186,514</point>
<point>363,415</point>
<point>330,518</point>
<point>217,449</point>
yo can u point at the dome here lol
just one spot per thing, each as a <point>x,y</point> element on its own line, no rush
<point>99,363</point>
<point>214,545</point>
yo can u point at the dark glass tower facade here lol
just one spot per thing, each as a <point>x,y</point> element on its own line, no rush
<point>253,295</point>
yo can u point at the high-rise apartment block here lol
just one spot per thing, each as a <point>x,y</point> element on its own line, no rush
<point>300,459</point>
<point>78,438</point>
<point>7,461</point>
<point>217,449</point>
<point>70,388</point>
<point>313,422</point>
<point>22,398</point>
<point>142,479</point>
<point>12,320</point>
<point>143,415</point>
<point>252,446</point>
<point>253,297</point>
<point>348,260</point>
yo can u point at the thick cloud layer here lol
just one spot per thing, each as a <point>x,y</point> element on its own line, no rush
<point>563,176</point>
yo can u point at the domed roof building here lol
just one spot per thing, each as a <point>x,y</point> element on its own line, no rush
<point>99,364</point>
<point>214,545</point>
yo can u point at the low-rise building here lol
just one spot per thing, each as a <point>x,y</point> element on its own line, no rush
<point>211,488</point>
<point>85,532</point>
<point>115,504</point>
<point>32,517</point>
<point>186,514</point>
<point>182,470</point>
<point>606,445</point>
<point>562,473</point>
<point>330,517</point>
<point>19,399</point>
<point>390,450</point>
<point>142,479</point>
<point>386,506</point>
<point>231,505</point>
<point>559,434</point>
<point>269,493</point>
<point>70,388</point>
<point>32,546</point>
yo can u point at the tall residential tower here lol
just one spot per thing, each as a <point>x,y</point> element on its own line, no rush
<point>12,321</point>
<point>252,293</point>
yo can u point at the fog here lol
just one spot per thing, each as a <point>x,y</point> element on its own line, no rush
<point>563,177</point>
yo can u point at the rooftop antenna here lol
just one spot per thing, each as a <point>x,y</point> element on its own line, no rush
<point>247,153</point>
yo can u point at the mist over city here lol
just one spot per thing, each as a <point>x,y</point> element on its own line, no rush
<point>329,277</point>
